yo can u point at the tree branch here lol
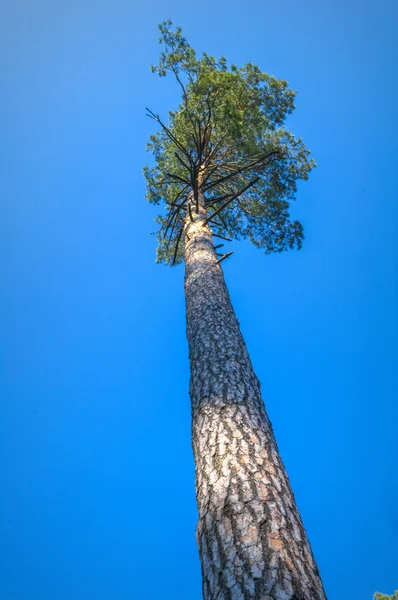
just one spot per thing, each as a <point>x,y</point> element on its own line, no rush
<point>212,201</point>
<point>174,213</point>
<point>224,256</point>
<point>241,170</point>
<point>182,162</point>
<point>177,244</point>
<point>187,183</point>
<point>152,115</point>
<point>172,222</point>
<point>218,235</point>
<point>231,199</point>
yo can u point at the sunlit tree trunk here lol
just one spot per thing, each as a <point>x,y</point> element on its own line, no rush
<point>251,540</point>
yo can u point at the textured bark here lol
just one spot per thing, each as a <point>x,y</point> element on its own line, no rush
<point>251,540</point>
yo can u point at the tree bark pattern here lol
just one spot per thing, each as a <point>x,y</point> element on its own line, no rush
<point>251,539</point>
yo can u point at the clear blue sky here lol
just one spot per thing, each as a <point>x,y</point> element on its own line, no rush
<point>97,485</point>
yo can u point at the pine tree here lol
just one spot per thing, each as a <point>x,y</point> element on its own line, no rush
<point>226,168</point>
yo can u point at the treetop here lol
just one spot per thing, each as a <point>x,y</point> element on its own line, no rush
<point>226,140</point>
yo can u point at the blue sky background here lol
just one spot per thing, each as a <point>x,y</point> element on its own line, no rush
<point>97,485</point>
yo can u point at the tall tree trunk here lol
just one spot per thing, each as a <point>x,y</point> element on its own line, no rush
<point>251,540</point>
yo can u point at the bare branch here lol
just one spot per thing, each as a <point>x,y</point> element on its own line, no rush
<point>211,201</point>
<point>182,162</point>
<point>181,84</point>
<point>181,206</point>
<point>177,244</point>
<point>218,235</point>
<point>174,213</point>
<point>224,256</point>
<point>215,224</point>
<point>195,135</point>
<point>168,132</point>
<point>178,178</point>
<point>184,189</point>
<point>242,169</point>
<point>210,174</point>
<point>172,222</point>
<point>231,199</point>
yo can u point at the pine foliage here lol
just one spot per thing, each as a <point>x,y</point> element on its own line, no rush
<point>228,138</point>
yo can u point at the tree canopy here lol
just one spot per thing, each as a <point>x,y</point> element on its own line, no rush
<point>226,139</point>
<point>379,596</point>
